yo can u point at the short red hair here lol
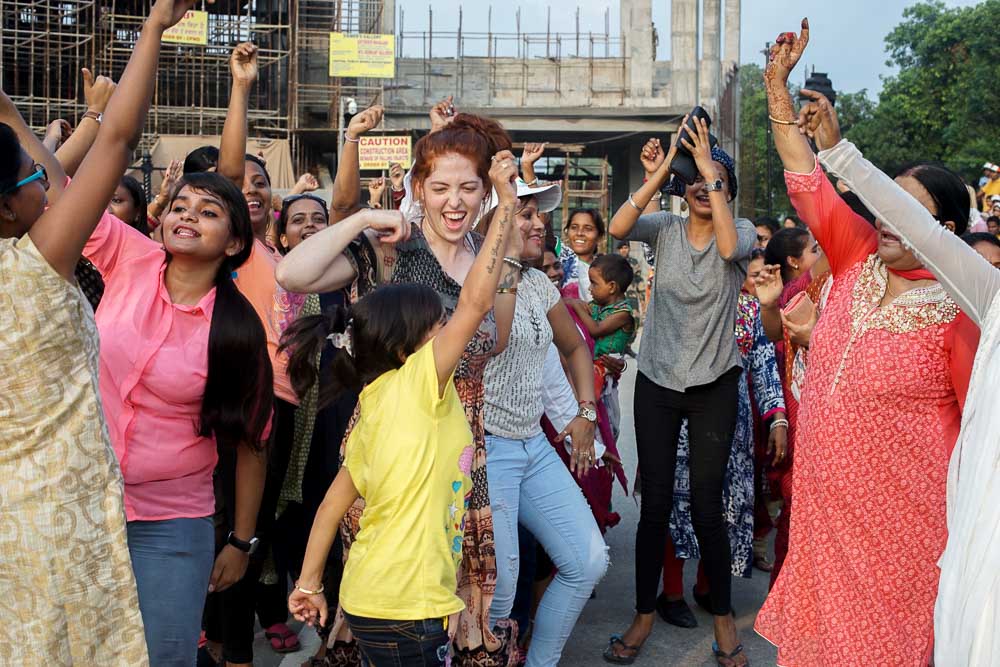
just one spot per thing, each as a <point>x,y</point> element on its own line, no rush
<point>474,137</point>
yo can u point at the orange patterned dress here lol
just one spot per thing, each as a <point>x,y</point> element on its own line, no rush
<point>880,413</point>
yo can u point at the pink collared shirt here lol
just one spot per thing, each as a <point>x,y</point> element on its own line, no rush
<point>154,363</point>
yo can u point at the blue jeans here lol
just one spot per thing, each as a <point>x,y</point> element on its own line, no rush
<point>172,561</point>
<point>530,483</point>
<point>402,643</point>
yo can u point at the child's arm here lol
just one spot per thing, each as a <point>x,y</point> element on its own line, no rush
<point>604,327</point>
<point>339,498</point>
<point>479,290</point>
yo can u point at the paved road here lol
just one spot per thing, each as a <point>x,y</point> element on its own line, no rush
<point>611,611</point>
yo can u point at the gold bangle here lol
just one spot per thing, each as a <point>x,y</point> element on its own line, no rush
<point>309,592</point>
<point>782,122</point>
<point>506,290</point>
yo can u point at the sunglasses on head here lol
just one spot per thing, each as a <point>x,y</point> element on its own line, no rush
<point>38,173</point>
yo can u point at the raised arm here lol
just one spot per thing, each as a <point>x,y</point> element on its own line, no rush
<point>628,213</point>
<point>97,92</point>
<point>969,278</point>
<point>233,147</point>
<point>529,156</point>
<point>346,198</point>
<point>319,264</point>
<point>480,288</point>
<point>171,175</point>
<point>62,231</point>
<point>793,148</point>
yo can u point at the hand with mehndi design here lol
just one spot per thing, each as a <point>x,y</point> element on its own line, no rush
<point>785,54</point>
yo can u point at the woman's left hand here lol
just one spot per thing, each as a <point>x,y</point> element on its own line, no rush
<point>800,334</point>
<point>580,431</point>
<point>230,566</point>
<point>701,151</point>
<point>777,442</point>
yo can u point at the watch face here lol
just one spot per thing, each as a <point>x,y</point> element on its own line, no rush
<point>588,413</point>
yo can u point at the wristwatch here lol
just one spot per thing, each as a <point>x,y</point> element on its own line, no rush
<point>246,547</point>
<point>588,412</point>
<point>712,187</point>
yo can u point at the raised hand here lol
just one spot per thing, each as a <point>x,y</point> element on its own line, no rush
<point>171,175</point>
<point>396,176</point>
<point>376,188</point>
<point>701,150</point>
<point>166,13</point>
<point>785,54</point>
<point>364,122</point>
<point>57,132</point>
<point>243,64</point>
<point>652,156</point>
<point>442,113</point>
<point>531,153</point>
<point>818,120</point>
<point>97,92</point>
<point>769,285</point>
<point>306,183</point>
<point>503,174</point>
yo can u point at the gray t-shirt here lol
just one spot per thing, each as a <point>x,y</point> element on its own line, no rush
<point>513,378</point>
<point>688,339</point>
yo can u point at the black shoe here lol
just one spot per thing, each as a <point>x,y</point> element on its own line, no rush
<point>675,612</point>
<point>705,602</point>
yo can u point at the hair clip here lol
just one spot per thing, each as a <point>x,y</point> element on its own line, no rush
<point>342,341</point>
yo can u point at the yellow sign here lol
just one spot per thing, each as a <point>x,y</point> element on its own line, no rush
<point>378,152</point>
<point>192,29</point>
<point>364,56</point>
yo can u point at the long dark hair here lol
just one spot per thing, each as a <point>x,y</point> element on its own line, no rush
<point>384,328</point>
<point>240,386</point>
<point>787,242</point>
<point>946,188</point>
<point>10,149</point>
<point>139,199</point>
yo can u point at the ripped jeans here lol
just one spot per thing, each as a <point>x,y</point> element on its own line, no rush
<point>530,483</point>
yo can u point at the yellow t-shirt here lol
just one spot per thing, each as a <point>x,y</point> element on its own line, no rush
<point>991,188</point>
<point>409,455</point>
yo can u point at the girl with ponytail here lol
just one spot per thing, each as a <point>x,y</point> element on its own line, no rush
<point>184,376</point>
<point>409,455</point>
<point>433,246</point>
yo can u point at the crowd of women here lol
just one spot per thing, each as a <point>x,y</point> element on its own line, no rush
<point>397,419</point>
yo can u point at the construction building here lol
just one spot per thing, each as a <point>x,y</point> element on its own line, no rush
<point>595,96</point>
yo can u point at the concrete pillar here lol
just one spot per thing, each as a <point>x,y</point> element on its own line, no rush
<point>684,52</point>
<point>711,60</point>
<point>637,30</point>
<point>733,17</point>
<point>388,24</point>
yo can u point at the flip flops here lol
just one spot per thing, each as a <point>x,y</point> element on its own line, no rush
<point>282,639</point>
<point>613,658</point>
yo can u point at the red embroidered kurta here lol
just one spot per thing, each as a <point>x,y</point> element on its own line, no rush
<point>879,416</point>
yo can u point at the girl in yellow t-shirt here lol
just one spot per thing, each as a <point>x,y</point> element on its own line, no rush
<point>410,452</point>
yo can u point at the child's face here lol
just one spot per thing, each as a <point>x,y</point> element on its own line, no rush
<point>602,291</point>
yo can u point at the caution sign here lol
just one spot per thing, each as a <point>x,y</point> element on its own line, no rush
<point>378,152</point>
<point>364,56</point>
<point>192,29</point>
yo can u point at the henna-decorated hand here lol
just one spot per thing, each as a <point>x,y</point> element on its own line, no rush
<point>785,54</point>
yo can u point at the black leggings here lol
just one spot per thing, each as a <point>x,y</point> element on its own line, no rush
<point>711,413</point>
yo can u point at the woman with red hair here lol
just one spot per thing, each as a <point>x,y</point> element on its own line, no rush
<point>434,245</point>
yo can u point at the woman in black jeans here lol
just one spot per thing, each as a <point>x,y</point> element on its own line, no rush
<point>689,367</point>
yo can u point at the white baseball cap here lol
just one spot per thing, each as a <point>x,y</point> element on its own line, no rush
<point>988,165</point>
<point>548,196</point>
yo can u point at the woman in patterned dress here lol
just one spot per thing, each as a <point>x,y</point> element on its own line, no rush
<point>435,247</point>
<point>67,593</point>
<point>889,363</point>
<point>761,374</point>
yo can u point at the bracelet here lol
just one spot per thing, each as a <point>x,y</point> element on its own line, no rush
<point>782,122</point>
<point>351,141</point>
<point>93,115</point>
<point>532,184</point>
<point>513,262</point>
<point>506,290</point>
<point>779,422</point>
<point>309,592</point>
<point>634,205</point>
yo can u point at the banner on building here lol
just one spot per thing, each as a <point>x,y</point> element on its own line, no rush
<point>363,56</point>
<point>378,152</point>
<point>192,29</point>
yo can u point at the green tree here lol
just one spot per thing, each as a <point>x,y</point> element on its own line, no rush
<point>755,146</point>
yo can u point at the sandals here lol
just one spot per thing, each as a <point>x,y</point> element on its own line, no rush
<point>729,659</point>
<point>613,658</point>
<point>282,639</point>
<point>763,564</point>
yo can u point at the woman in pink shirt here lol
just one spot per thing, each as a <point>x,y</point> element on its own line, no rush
<point>184,370</point>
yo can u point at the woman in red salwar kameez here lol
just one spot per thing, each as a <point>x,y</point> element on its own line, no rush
<point>889,364</point>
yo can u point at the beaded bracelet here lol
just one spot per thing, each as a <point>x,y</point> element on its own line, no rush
<point>779,422</point>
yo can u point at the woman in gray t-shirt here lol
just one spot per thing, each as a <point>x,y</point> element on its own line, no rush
<point>689,367</point>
